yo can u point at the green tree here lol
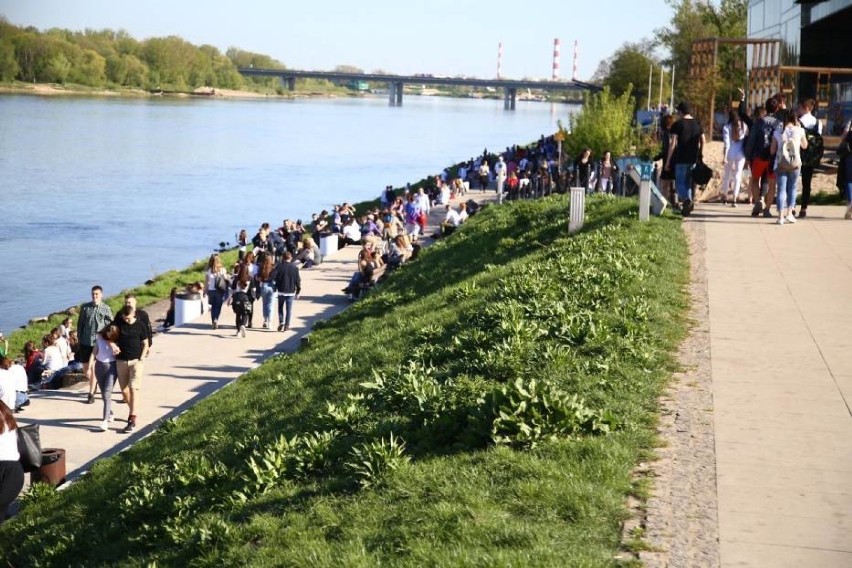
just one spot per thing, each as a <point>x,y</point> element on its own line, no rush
<point>57,69</point>
<point>602,124</point>
<point>694,19</point>
<point>8,64</point>
<point>628,69</point>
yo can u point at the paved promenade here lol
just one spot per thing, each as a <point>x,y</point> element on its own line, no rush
<point>192,361</point>
<point>780,309</point>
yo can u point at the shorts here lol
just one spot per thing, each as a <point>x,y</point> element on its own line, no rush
<point>130,373</point>
<point>759,166</point>
<point>84,353</point>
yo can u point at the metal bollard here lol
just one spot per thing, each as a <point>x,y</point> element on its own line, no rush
<point>577,209</point>
<point>645,192</point>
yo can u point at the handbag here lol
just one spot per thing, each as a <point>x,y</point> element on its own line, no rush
<point>29,446</point>
<point>701,173</point>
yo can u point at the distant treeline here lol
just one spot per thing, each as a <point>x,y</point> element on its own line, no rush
<point>107,58</point>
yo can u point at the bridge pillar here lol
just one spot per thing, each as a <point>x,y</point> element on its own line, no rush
<point>510,97</point>
<point>291,83</point>
<point>395,93</point>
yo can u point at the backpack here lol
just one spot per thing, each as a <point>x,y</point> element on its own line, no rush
<point>789,158</point>
<point>812,155</point>
<point>760,139</point>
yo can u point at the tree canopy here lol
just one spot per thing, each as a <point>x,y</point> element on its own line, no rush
<point>108,58</point>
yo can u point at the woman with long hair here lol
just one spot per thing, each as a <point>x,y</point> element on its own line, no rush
<point>11,472</point>
<point>788,139</point>
<point>267,287</point>
<point>607,173</point>
<point>215,294</point>
<point>32,362</point>
<point>240,301</point>
<point>734,134</point>
<point>102,363</point>
<point>666,174</point>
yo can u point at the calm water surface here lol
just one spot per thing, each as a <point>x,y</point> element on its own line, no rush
<point>108,191</point>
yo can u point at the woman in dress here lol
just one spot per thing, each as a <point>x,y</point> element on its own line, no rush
<point>734,134</point>
<point>215,294</point>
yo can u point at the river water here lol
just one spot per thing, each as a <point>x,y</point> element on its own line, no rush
<point>115,191</point>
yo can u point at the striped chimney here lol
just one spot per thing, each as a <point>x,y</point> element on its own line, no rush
<point>499,60</point>
<point>574,69</point>
<point>555,76</point>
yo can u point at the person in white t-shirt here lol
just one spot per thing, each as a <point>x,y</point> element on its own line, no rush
<point>11,472</point>
<point>500,174</point>
<point>813,126</point>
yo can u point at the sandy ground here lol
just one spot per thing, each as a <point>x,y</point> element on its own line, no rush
<point>822,182</point>
<point>49,89</point>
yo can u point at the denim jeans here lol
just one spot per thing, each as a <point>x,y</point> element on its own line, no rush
<point>786,184</point>
<point>849,193</point>
<point>216,299</point>
<point>282,301</point>
<point>683,180</point>
<point>106,373</point>
<point>267,293</point>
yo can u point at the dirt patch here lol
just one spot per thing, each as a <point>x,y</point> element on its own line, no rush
<point>822,182</point>
<point>678,525</point>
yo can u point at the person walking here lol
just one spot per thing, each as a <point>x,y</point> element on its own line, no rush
<point>130,300</point>
<point>267,288</point>
<point>813,129</point>
<point>94,316</point>
<point>844,169</point>
<point>733,157</point>
<point>500,175</point>
<point>787,143</point>
<point>216,287</point>
<point>288,283</point>
<point>102,364</point>
<point>132,343</point>
<point>11,471</point>
<point>484,173</point>
<point>239,300</point>
<point>686,143</point>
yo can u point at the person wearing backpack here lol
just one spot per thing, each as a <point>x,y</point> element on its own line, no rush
<point>812,157</point>
<point>758,151</point>
<point>787,144</point>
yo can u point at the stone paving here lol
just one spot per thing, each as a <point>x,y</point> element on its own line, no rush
<point>780,313</point>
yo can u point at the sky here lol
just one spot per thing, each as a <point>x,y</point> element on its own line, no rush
<point>438,37</point>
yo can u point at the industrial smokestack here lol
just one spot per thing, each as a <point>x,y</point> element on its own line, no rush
<point>499,60</point>
<point>574,69</point>
<point>555,75</point>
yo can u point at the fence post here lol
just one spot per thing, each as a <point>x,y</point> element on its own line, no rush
<point>644,191</point>
<point>577,209</point>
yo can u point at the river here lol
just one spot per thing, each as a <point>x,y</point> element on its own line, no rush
<point>116,190</point>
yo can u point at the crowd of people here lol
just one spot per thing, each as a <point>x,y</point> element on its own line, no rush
<point>779,145</point>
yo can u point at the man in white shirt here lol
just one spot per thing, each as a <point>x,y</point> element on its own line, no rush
<point>500,174</point>
<point>812,126</point>
<point>423,201</point>
<point>351,233</point>
<point>451,221</point>
<point>484,175</point>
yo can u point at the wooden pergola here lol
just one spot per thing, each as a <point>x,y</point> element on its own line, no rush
<point>766,75</point>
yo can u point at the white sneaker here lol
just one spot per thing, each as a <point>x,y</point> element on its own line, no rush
<point>104,426</point>
<point>848,213</point>
<point>243,330</point>
<point>790,218</point>
<point>780,221</point>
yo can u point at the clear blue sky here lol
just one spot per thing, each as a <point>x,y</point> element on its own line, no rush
<point>441,37</point>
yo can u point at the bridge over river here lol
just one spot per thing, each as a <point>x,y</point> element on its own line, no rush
<point>396,82</point>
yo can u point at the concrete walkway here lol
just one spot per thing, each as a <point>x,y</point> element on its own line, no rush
<point>192,361</point>
<point>780,308</point>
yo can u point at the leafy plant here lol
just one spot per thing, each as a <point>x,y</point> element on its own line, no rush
<point>529,412</point>
<point>371,463</point>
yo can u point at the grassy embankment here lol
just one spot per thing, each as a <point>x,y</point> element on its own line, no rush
<point>485,406</point>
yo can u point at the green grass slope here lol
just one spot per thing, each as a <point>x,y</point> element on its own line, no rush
<point>484,407</point>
